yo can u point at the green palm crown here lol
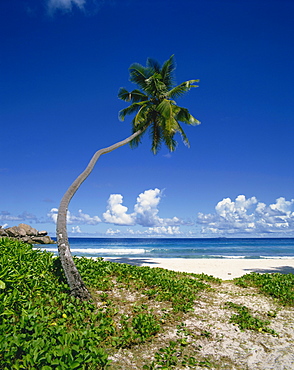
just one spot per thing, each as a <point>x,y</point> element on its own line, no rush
<point>154,106</point>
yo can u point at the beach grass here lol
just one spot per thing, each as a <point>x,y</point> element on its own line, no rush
<point>140,317</point>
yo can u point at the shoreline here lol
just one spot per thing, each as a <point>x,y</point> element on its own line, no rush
<point>225,269</point>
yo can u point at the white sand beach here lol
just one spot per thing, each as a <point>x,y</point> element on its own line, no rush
<point>225,269</point>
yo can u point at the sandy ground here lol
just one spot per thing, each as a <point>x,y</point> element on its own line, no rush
<point>228,346</point>
<point>225,269</point>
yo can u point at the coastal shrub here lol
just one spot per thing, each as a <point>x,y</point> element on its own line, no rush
<point>173,356</point>
<point>245,320</point>
<point>43,327</point>
<point>136,329</point>
<point>160,284</point>
<point>279,286</point>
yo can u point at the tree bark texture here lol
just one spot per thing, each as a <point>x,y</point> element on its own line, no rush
<point>73,277</point>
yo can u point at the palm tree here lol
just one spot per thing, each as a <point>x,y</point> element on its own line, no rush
<point>154,105</point>
<point>154,110</point>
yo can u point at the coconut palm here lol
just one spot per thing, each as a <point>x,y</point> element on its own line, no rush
<point>154,105</point>
<point>154,109</point>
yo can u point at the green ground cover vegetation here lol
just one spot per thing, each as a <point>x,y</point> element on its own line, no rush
<point>279,286</point>
<point>42,327</point>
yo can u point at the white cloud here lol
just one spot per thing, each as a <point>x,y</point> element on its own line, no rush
<point>117,213</point>
<point>7,216</point>
<point>65,4</point>
<point>248,216</point>
<point>53,214</point>
<point>84,218</point>
<point>76,230</point>
<point>145,211</point>
<point>146,208</point>
<point>25,216</point>
<point>145,214</point>
<point>81,218</point>
<point>164,230</point>
<point>157,231</point>
<point>112,232</point>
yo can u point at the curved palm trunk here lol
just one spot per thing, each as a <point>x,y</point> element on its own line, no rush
<point>74,280</point>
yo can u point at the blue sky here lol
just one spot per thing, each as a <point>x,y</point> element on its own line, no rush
<point>62,63</point>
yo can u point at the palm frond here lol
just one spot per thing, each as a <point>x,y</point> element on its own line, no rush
<point>170,142</point>
<point>155,87</point>
<point>137,96</point>
<point>153,65</point>
<point>156,137</point>
<point>166,109</point>
<point>183,115</point>
<point>183,135</point>
<point>167,70</point>
<point>137,140</point>
<point>131,96</point>
<point>133,108</point>
<point>168,137</point>
<point>181,89</point>
<point>124,94</point>
<point>168,130</point>
<point>139,74</point>
<point>141,117</point>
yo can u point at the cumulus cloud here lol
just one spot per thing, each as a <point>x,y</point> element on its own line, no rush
<point>248,216</point>
<point>76,230</point>
<point>145,214</point>
<point>81,218</point>
<point>145,211</point>
<point>164,230</point>
<point>117,213</point>
<point>157,231</point>
<point>112,232</point>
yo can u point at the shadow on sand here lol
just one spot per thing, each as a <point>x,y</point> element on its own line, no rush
<point>131,261</point>
<point>279,269</point>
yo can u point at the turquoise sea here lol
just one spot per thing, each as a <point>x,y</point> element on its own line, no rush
<point>181,248</point>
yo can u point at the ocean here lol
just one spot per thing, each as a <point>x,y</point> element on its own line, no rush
<point>180,248</point>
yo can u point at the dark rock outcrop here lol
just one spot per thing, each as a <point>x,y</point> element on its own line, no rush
<point>27,234</point>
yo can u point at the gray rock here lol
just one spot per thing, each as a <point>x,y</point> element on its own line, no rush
<point>12,231</point>
<point>42,239</point>
<point>42,233</point>
<point>3,232</point>
<point>27,234</point>
<point>27,239</point>
<point>29,229</point>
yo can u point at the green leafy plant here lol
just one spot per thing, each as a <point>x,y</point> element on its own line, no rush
<point>172,357</point>
<point>162,285</point>
<point>245,320</point>
<point>43,327</point>
<point>167,357</point>
<point>279,286</point>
